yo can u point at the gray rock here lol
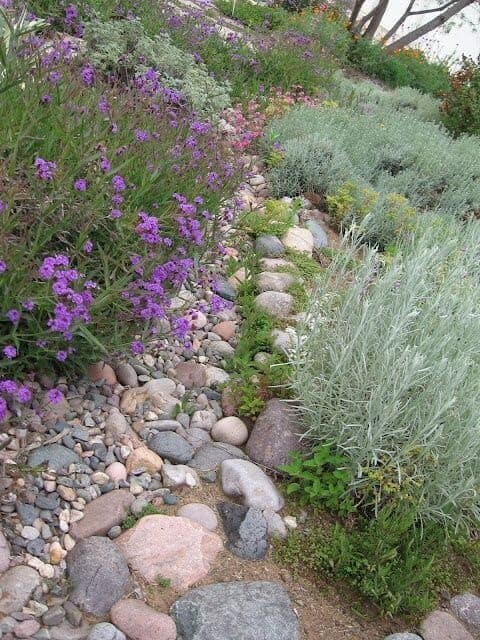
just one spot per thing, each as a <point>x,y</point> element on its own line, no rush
<point>211,455</point>
<point>203,419</point>
<point>466,608</point>
<point>43,634</point>
<point>224,289</point>
<point>73,613</point>
<point>403,636</point>
<point>53,617</point>
<point>54,456</point>
<point>47,501</point>
<point>36,547</point>
<point>269,247</point>
<point>269,281</point>
<point>243,478</point>
<point>234,610</point>
<point>127,375</point>
<point>320,238</point>
<point>16,586</point>
<point>246,530</point>
<point>275,303</point>
<point>27,513</point>
<point>105,631</point>
<point>274,435</point>
<point>163,425</point>
<point>66,632</point>
<point>98,573</point>
<point>441,625</point>
<point>171,446</point>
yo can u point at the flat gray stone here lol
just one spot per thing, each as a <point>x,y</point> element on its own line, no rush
<point>466,608</point>
<point>243,478</point>
<point>16,586</point>
<point>236,610</point>
<point>210,456</point>
<point>99,575</point>
<point>403,636</point>
<point>246,530</point>
<point>276,303</point>
<point>54,456</point>
<point>105,631</point>
<point>269,247</point>
<point>271,281</point>
<point>320,238</point>
<point>127,375</point>
<point>171,446</point>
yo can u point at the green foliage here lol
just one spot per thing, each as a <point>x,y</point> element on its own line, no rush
<point>404,68</point>
<point>117,47</point>
<point>276,219</point>
<point>132,519</point>
<point>323,479</point>
<point>385,370</point>
<point>304,266</point>
<point>461,104</point>
<point>163,582</point>
<point>253,15</point>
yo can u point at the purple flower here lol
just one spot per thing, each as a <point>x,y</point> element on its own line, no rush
<point>141,135</point>
<point>104,165</point>
<point>147,228</point>
<point>117,199</point>
<point>113,127</point>
<point>23,395</point>
<point>45,99</point>
<point>28,305</point>
<point>55,396</point>
<point>13,315</point>
<point>136,347</point>
<point>88,75</point>
<point>9,352</point>
<point>8,386</point>
<point>53,77</point>
<point>80,184</point>
<point>115,214</point>
<point>88,246</point>
<point>3,266</point>
<point>61,356</point>
<point>118,184</point>
<point>44,169</point>
<point>103,105</point>
<point>3,409</point>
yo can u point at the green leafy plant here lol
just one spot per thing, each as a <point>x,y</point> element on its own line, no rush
<point>322,479</point>
<point>162,582</point>
<point>252,14</point>
<point>276,218</point>
<point>132,519</point>
<point>461,102</point>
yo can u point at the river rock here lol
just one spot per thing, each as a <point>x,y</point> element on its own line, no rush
<point>269,247</point>
<point>191,374</point>
<point>231,430</point>
<point>245,479</point>
<point>103,513</point>
<point>4,553</point>
<point>102,371</point>
<point>105,631</point>
<point>274,435</point>
<point>127,375</point>
<point>116,424</point>
<point>16,586</point>
<point>403,636</point>
<point>200,513</point>
<point>320,238</point>
<point>145,459</point>
<point>299,239</point>
<point>225,329</point>
<point>141,622</point>
<point>277,304</point>
<point>98,574</point>
<point>171,446</point>
<point>270,281</point>
<point>441,625</point>
<point>211,455</point>
<point>234,610</point>
<point>179,475</point>
<point>171,547</point>
<point>53,456</point>
<point>466,608</point>
<point>246,530</point>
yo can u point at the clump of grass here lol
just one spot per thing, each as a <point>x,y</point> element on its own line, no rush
<point>132,519</point>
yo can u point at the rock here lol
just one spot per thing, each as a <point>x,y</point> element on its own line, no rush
<point>16,586</point>
<point>102,371</point>
<point>116,424</point>
<point>277,304</point>
<point>245,479</point>
<point>211,455</point>
<point>179,475</point>
<point>196,437</point>
<point>225,329</point>
<point>66,632</point>
<point>53,617</point>
<point>441,625</point>
<point>269,247</point>
<point>102,514</point>
<point>199,513</point>
<point>4,553</point>
<point>100,478</point>
<point>237,278</point>
<point>403,636</point>
<point>98,574</point>
<point>27,512</point>
<point>466,608</point>
<point>106,631</point>
<point>145,459</point>
<point>272,264</point>
<point>299,239</point>
<point>191,374</point>
<point>157,392</point>
<point>216,376</point>
<point>203,420</point>
<point>141,622</point>
<point>26,628</point>
<point>127,375</point>
<point>257,180</point>
<point>221,349</point>
<point>171,446</point>
<point>171,547</point>
<point>66,493</point>
<point>274,435</point>
<point>234,610</point>
<point>275,525</point>
<point>268,281</point>
<point>54,456</point>
<point>284,340</point>
<point>116,472</point>
<point>224,289</point>
<point>246,530</point>
<point>56,553</point>
<point>320,238</point>
<point>231,430</point>
<point>73,613</point>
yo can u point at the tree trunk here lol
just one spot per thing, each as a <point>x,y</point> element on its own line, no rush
<point>399,22</point>
<point>407,39</point>
<point>377,18</point>
<point>355,12</point>
<point>356,29</point>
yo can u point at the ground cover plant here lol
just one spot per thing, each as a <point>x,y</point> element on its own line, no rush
<point>461,103</point>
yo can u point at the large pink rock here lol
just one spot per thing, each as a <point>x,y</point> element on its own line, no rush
<point>102,371</point>
<point>102,514</point>
<point>170,547</point>
<point>441,625</point>
<point>140,622</point>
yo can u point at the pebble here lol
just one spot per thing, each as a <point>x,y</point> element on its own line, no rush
<point>53,616</point>
<point>231,430</point>
<point>26,629</point>
<point>105,631</point>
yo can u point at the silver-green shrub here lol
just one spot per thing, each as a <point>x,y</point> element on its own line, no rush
<point>388,371</point>
<point>387,149</point>
<point>123,48</point>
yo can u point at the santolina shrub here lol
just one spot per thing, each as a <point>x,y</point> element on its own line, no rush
<point>386,372</point>
<point>111,200</point>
